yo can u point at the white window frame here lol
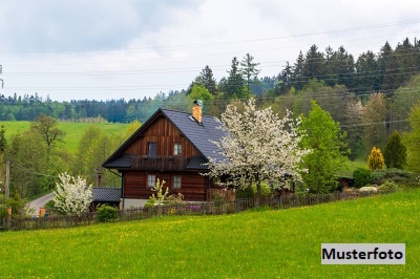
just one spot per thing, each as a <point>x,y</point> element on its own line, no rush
<point>173,181</point>
<point>177,151</point>
<point>150,178</point>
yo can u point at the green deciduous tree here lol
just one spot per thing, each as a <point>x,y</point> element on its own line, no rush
<point>395,153</point>
<point>48,128</point>
<point>325,139</point>
<point>3,141</point>
<point>28,162</point>
<point>374,116</point>
<point>412,139</point>
<point>200,92</point>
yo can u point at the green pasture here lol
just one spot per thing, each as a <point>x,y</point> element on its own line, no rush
<point>254,244</point>
<point>73,130</point>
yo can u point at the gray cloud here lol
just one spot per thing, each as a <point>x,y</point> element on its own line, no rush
<point>50,25</point>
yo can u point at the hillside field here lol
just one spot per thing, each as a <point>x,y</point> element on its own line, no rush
<point>73,130</point>
<point>254,244</point>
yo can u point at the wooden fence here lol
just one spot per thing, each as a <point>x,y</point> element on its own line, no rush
<point>191,208</point>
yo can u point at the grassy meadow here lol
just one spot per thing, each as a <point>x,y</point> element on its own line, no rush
<point>73,130</point>
<point>254,244</point>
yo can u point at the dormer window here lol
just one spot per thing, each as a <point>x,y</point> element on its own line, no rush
<point>177,149</point>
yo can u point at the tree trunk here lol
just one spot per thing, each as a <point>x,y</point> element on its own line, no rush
<point>258,199</point>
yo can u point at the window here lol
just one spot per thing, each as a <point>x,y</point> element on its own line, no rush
<point>151,149</point>
<point>151,180</point>
<point>176,182</point>
<point>177,149</point>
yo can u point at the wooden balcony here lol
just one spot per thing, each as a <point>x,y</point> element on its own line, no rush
<point>159,163</point>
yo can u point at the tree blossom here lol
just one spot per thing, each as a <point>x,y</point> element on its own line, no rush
<point>72,196</point>
<point>258,146</point>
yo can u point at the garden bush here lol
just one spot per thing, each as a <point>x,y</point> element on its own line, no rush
<point>389,186</point>
<point>106,213</point>
<point>398,176</point>
<point>50,205</point>
<point>3,206</point>
<point>362,177</point>
<point>265,189</point>
<point>251,191</point>
<point>244,193</point>
<point>378,177</point>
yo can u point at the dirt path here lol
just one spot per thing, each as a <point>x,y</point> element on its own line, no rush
<point>40,202</point>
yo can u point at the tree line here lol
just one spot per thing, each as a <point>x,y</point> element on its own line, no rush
<point>371,72</point>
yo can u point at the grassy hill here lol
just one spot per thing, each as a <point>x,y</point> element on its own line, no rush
<point>73,130</point>
<point>256,244</point>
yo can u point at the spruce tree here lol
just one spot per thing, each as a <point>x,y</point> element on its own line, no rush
<point>235,82</point>
<point>395,153</point>
<point>249,69</point>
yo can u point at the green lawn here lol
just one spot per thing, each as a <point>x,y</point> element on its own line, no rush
<point>349,166</point>
<point>73,130</point>
<point>258,244</point>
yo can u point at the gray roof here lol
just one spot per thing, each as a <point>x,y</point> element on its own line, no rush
<point>197,163</point>
<point>106,194</point>
<point>200,135</point>
<point>118,163</point>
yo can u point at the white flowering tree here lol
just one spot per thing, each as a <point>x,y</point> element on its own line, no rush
<point>258,146</point>
<point>72,195</point>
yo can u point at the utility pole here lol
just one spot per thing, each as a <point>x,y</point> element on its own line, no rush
<point>7,189</point>
<point>2,82</point>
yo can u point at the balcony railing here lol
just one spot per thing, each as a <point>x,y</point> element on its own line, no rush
<point>159,163</point>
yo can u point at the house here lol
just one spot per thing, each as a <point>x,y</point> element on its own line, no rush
<point>173,146</point>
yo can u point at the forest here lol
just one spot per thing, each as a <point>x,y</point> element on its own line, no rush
<point>369,97</point>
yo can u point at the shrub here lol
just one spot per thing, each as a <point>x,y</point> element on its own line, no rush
<point>368,189</point>
<point>265,189</point>
<point>245,193</point>
<point>362,177</point>
<point>50,205</point>
<point>18,205</point>
<point>160,197</point>
<point>378,177</point>
<point>398,176</point>
<point>106,213</point>
<point>3,207</point>
<point>375,159</point>
<point>218,198</point>
<point>389,186</point>
<point>174,199</point>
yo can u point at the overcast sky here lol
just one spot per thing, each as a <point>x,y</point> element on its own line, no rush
<point>98,49</point>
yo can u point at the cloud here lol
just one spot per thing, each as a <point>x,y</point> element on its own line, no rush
<point>49,25</point>
<point>131,49</point>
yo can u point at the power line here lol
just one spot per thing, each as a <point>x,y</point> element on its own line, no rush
<point>349,29</point>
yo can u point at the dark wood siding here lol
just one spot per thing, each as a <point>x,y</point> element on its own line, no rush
<point>165,134</point>
<point>193,185</point>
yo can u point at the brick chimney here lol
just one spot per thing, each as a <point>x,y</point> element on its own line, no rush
<point>197,110</point>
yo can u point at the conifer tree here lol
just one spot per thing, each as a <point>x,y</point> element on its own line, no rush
<point>395,153</point>
<point>375,159</point>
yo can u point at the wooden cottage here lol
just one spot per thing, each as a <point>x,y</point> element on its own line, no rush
<point>173,146</point>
